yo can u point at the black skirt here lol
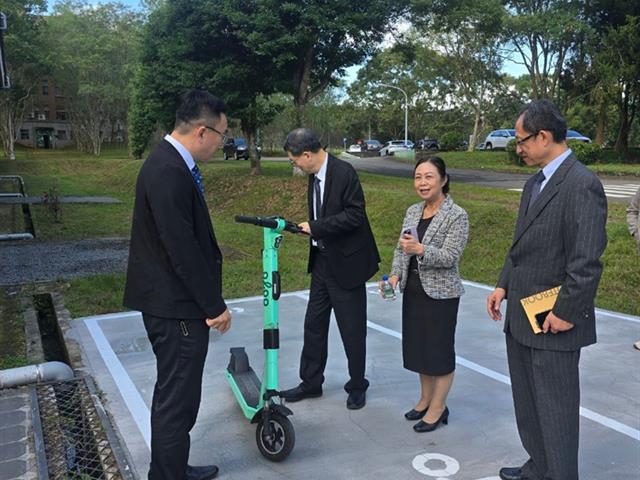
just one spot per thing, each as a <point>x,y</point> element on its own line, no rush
<point>428,330</point>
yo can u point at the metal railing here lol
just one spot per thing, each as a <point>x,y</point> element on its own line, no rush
<point>17,191</point>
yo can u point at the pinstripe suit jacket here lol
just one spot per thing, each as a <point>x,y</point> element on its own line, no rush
<point>443,242</point>
<point>559,241</point>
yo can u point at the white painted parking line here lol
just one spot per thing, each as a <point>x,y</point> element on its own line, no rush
<point>141,415</point>
<point>128,391</point>
<point>585,412</point>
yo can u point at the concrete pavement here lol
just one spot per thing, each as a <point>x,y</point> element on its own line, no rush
<point>375,442</point>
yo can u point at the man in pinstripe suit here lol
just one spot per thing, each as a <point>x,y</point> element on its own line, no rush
<point>558,240</point>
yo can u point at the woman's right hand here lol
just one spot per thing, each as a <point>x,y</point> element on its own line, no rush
<point>393,281</point>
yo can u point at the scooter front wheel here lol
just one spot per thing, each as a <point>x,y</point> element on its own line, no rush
<point>276,440</point>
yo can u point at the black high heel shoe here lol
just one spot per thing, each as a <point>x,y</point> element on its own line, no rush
<point>414,414</point>
<point>423,426</point>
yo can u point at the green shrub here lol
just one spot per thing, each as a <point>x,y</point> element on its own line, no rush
<point>587,153</point>
<point>449,141</point>
<point>512,156</point>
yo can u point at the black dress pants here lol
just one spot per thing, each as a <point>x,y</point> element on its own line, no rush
<point>546,397</point>
<point>180,347</point>
<point>350,308</point>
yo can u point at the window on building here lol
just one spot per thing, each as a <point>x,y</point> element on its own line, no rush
<point>24,134</point>
<point>62,135</point>
<point>45,87</point>
<point>46,113</point>
<point>61,115</point>
<point>59,92</point>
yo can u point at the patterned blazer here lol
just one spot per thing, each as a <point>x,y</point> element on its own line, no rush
<point>443,242</point>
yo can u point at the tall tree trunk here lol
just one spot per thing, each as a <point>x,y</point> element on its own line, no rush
<point>622,140</point>
<point>601,122</point>
<point>476,130</point>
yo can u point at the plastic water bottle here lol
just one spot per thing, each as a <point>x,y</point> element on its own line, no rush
<point>387,289</point>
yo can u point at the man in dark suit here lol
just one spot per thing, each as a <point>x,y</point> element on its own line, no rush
<point>558,240</point>
<point>174,278</point>
<point>343,256</point>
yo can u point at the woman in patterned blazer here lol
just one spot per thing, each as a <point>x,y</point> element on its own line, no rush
<point>426,268</point>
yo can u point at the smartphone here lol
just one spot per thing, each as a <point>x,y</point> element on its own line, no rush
<point>413,231</point>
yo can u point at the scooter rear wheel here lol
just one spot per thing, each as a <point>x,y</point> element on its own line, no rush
<point>276,441</point>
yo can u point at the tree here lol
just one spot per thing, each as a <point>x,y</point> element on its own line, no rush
<point>312,42</point>
<point>601,79</point>
<point>466,33</point>
<point>95,47</point>
<point>27,61</point>
<point>619,61</point>
<point>543,33</point>
<point>190,45</point>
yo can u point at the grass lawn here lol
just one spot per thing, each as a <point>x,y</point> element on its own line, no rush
<point>12,337</point>
<point>231,191</point>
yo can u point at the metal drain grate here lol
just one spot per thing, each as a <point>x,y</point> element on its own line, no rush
<point>78,440</point>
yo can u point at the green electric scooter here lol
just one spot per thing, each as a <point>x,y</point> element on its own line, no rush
<point>259,400</point>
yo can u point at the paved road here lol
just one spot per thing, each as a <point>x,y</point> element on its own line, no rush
<point>618,189</point>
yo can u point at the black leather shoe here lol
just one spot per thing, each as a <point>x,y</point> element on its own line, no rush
<point>356,400</point>
<point>414,414</point>
<point>511,473</point>
<point>423,426</point>
<point>298,393</point>
<point>206,472</point>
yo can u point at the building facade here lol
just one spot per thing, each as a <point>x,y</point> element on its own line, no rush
<point>46,119</point>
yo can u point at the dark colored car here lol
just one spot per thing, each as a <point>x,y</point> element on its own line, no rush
<point>427,144</point>
<point>372,145</point>
<point>236,148</point>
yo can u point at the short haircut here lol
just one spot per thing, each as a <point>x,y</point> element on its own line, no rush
<point>302,140</point>
<point>198,105</point>
<point>439,164</point>
<point>544,115</point>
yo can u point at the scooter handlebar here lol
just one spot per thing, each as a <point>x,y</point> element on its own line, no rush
<point>268,222</point>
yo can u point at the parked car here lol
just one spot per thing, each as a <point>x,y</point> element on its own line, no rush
<point>236,148</point>
<point>499,139</point>
<point>373,145</point>
<point>573,135</point>
<point>395,145</point>
<point>427,144</point>
<point>355,148</point>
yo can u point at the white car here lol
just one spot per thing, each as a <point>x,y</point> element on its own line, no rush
<point>499,139</point>
<point>354,149</point>
<point>573,135</point>
<point>395,146</point>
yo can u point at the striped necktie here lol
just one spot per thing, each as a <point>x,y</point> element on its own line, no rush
<point>197,177</point>
<point>537,186</point>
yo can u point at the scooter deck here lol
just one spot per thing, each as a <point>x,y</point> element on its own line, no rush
<point>249,385</point>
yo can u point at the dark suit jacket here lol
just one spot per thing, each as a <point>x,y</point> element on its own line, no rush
<point>175,265</point>
<point>344,227</point>
<point>559,241</point>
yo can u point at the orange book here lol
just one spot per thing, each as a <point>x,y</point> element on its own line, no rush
<point>538,306</point>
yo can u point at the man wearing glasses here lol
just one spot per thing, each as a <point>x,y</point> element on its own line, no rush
<point>558,240</point>
<point>174,277</point>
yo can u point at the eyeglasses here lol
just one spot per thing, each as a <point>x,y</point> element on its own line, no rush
<point>520,142</point>
<point>222,135</point>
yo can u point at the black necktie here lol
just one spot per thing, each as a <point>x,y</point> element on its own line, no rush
<point>537,186</point>
<point>318,203</point>
<point>317,197</point>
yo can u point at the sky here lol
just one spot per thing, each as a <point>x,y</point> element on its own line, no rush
<point>509,66</point>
